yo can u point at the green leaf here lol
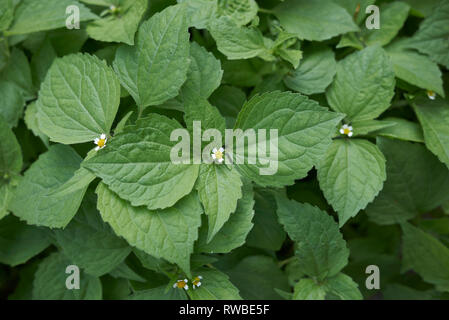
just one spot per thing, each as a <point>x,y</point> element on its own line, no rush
<point>136,164</point>
<point>219,188</point>
<point>20,242</point>
<point>31,201</point>
<point>197,108</point>
<point>434,117</point>
<point>18,72</point>
<point>304,131</point>
<point>431,38</point>
<point>204,75</point>
<point>10,153</point>
<point>422,8</point>
<point>343,287</point>
<point>314,20</point>
<point>215,285</point>
<point>91,244</point>
<point>257,277</point>
<point>50,282</point>
<point>159,293</point>
<point>392,18</point>
<point>200,12</point>
<point>6,14</point>
<point>416,183</point>
<point>12,103</point>
<point>33,16</point>
<point>32,122</point>
<point>229,100</point>
<point>402,130</point>
<point>425,255</point>
<point>267,233</point>
<point>234,231</point>
<point>415,68</point>
<point>364,127</point>
<point>315,73</point>
<point>41,61</point>
<point>155,68</point>
<point>122,270</point>
<point>237,42</point>
<point>308,289</point>
<point>241,11</point>
<point>364,84</point>
<point>6,194</point>
<point>351,175</point>
<point>321,249</point>
<point>167,234</point>
<point>80,180</point>
<point>121,27</point>
<point>78,99</point>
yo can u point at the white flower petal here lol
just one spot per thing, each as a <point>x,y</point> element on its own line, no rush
<point>350,134</point>
<point>198,284</point>
<point>342,131</point>
<point>186,287</point>
<point>220,160</point>
<point>213,156</point>
<point>350,128</point>
<point>174,285</point>
<point>103,136</point>
<point>221,150</point>
<point>97,148</point>
<point>214,150</point>
<point>200,277</point>
<point>185,280</point>
<point>96,140</point>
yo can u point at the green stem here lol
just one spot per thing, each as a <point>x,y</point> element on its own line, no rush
<point>266,11</point>
<point>286,261</point>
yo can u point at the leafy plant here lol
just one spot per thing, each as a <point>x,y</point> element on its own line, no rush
<point>356,172</point>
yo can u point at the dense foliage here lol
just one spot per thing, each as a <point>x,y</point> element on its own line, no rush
<point>87,117</point>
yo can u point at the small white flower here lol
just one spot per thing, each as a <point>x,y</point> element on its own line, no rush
<point>181,284</point>
<point>100,142</point>
<point>217,154</point>
<point>431,94</point>
<point>197,282</point>
<point>112,7</point>
<point>347,130</point>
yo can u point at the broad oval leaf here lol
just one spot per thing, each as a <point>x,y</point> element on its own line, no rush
<point>167,234</point>
<point>304,131</point>
<point>155,68</point>
<point>351,175</point>
<point>136,164</point>
<point>78,99</point>
<point>364,84</point>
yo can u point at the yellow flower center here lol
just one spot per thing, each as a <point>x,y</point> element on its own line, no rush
<point>346,131</point>
<point>101,143</point>
<point>196,281</point>
<point>181,284</point>
<point>219,154</point>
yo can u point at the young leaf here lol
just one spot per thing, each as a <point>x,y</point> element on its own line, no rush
<point>308,289</point>
<point>50,281</point>
<point>136,164</point>
<point>416,183</point>
<point>155,68</point>
<point>365,127</point>
<point>237,42</point>
<point>20,242</point>
<point>321,249</point>
<point>364,84</point>
<point>431,38</point>
<point>200,12</point>
<point>351,175</point>
<point>33,16</point>
<point>204,75</point>
<point>219,188</point>
<point>215,285</point>
<point>234,231</point>
<point>434,119</point>
<point>304,131</point>
<point>167,234</point>
<point>343,287</point>
<point>315,72</point>
<point>91,244</point>
<point>119,27</point>
<point>314,20</point>
<point>31,201</point>
<point>78,99</point>
<point>425,255</point>
<point>241,11</point>
<point>6,14</point>
<point>415,68</point>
